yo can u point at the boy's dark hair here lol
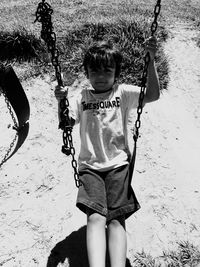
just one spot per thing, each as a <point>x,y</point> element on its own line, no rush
<point>102,53</point>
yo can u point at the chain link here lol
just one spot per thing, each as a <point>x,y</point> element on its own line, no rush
<point>43,15</point>
<point>145,73</point>
<point>156,14</point>
<point>14,127</point>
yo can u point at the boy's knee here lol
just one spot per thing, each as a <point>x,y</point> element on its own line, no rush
<point>117,222</point>
<point>95,218</point>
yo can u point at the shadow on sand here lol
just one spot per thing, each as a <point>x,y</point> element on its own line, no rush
<point>73,249</point>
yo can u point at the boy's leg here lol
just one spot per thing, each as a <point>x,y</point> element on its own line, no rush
<point>96,239</point>
<point>117,243</point>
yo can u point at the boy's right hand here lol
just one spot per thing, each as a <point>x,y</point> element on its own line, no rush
<point>60,92</point>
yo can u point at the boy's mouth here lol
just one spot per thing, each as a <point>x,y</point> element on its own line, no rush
<point>100,82</point>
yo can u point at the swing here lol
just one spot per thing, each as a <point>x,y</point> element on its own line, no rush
<point>15,97</point>
<point>43,15</point>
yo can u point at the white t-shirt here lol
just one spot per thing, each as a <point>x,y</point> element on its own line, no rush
<point>103,122</point>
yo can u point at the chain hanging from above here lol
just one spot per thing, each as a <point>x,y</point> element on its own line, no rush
<point>145,73</point>
<point>43,15</point>
<point>142,92</point>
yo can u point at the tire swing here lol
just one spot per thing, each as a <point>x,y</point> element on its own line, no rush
<point>43,15</point>
<point>15,98</point>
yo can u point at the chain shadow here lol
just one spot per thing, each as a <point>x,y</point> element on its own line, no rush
<point>73,248</point>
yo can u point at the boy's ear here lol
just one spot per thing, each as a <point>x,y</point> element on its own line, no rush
<point>86,72</point>
<point>117,72</point>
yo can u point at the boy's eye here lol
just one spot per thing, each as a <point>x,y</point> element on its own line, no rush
<point>107,70</point>
<point>93,70</point>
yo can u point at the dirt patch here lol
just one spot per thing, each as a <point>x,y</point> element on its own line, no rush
<point>167,169</point>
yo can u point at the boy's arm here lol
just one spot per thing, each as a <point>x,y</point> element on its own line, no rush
<point>153,85</point>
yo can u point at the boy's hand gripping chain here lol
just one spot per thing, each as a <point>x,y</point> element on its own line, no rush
<point>144,74</point>
<point>43,15</point>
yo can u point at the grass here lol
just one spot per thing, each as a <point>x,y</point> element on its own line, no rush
<point>77,21</point>
<point>20,45</point>
<point>186,255</point>
<point>184,10</point>
<point>129,35</point>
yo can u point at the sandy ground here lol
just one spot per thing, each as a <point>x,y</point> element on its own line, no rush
<point>39,223</point>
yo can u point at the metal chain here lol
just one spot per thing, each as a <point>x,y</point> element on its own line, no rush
<point>156,14</point>
<point>14,127</point>
<point>43,15</point>
<point>67,135</point>
<point>145,73</point>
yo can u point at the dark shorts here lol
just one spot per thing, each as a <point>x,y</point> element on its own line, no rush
<point>108,193</point>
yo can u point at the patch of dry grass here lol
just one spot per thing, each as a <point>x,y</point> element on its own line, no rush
<point>126,24</point>
<point>185,255</point>
<point>20,45</point>
<point>76,16</point>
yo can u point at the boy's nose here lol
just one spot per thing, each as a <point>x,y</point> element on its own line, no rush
<point>101,73</point>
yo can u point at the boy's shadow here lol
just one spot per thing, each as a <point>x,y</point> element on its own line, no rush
<point>73,249</point>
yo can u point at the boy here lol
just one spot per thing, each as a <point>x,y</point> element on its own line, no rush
<point>102,112</point>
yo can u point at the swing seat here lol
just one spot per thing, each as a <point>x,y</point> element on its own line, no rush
<point>19,102</point>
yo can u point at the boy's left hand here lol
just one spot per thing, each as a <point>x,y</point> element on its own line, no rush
<point>151,46</point>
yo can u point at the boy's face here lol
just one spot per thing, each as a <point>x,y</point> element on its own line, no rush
<point>102,79</point>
